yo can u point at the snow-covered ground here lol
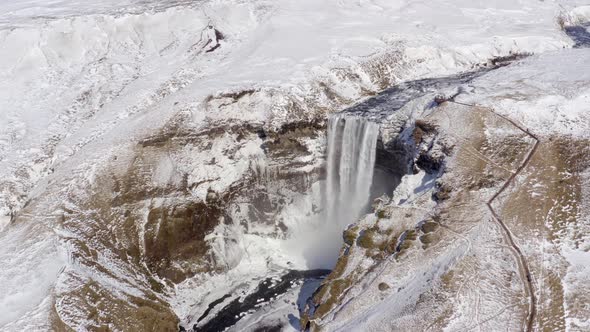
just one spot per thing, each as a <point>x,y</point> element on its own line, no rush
<point>14,13</point>
<point>81,82</point>
<point>549,93</point>
<point>68,81</point>
<point>545,210</point>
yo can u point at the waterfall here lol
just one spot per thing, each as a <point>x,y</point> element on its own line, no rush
<point>352,145</point>
<point>352,150</point>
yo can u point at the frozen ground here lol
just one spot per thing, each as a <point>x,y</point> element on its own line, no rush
<point>81,83</point>
<point>552,102</point>
<point>463,275</point>
<point>15,13</point>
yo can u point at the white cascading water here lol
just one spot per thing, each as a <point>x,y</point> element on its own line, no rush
<point>352,149</point>
<point>352,146</point>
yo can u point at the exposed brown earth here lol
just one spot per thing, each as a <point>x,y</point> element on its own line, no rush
<point>523,261</point>
<point>545,205</point>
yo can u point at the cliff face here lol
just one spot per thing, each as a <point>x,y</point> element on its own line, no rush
<point>159,218</point>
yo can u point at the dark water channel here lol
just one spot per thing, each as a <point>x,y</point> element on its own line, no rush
<point>267,290</point>
<point>580,34</point>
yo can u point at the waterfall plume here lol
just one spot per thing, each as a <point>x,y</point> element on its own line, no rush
<point>352,144</point>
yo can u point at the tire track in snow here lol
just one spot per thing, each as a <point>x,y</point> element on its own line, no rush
<point>523,262</point>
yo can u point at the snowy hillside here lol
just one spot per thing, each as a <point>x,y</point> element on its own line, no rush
<point>146,182</point>
<point>445,263</point>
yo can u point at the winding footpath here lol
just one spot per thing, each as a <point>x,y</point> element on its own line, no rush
<point>522,260</point>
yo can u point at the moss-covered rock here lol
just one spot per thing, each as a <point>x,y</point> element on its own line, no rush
<point>383,286</point>
<point>350,235</point>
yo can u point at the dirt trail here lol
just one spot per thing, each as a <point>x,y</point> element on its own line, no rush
<point>523,263</point>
